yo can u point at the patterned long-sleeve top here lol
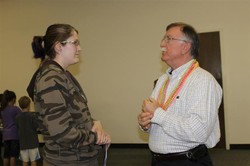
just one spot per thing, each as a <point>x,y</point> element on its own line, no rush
<point>64,117</point>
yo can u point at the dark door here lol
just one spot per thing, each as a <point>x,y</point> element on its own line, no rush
<point>210,60</point>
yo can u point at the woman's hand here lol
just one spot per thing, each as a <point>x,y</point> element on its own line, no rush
<point>102,136</point>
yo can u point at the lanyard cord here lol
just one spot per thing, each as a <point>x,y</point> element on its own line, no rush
<point>162,94</point>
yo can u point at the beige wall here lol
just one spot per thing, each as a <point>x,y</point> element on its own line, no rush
<point>121,55</point>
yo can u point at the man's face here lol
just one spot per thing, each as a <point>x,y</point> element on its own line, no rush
<point>172,45</point>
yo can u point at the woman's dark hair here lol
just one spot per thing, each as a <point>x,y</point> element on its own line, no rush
<point>37,47</point>
<point>6,98</point>
<point>191,35</point>
<point>44,45</point>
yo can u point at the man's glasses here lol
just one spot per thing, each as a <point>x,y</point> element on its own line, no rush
<point>168,39</point>
<point>76,42</point>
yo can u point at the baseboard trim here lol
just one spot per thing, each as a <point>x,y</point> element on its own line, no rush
<point>239,146</point>
<point>116,145</point>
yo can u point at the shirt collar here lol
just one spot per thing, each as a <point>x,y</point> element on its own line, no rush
<point>179,71</point>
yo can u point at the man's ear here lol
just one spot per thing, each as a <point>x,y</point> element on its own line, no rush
<point>186,48</point>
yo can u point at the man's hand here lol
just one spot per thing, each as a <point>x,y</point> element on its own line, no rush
<point>148,108</point>
<point>150,105</point>
<point>144,120</point>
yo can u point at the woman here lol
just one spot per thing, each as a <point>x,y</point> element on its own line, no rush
<point>71,135</point>
<point>10,134</point>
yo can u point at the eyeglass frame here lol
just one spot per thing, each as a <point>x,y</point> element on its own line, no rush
<point>74,42</point>
<point>168,39</point>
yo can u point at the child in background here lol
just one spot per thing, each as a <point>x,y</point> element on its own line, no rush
<point>27,129</point>
<point>10,134</point>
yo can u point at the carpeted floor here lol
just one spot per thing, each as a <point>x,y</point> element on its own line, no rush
<point>142,157</point>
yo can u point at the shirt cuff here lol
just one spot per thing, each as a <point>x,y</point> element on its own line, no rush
<point>159,116</point>
<point>143,129</point>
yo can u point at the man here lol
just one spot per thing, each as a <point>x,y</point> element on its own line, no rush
<point>181,115</point>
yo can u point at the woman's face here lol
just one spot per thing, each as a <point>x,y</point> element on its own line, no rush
<point>71,50</point>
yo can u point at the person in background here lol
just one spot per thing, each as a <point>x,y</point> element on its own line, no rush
<point>10,134</point>
<point>72,137</point>
<point>27,130</point>
<point>181,115</point>
<point>1,126</point>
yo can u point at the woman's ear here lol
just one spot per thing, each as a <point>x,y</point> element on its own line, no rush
<point>58,47</point>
